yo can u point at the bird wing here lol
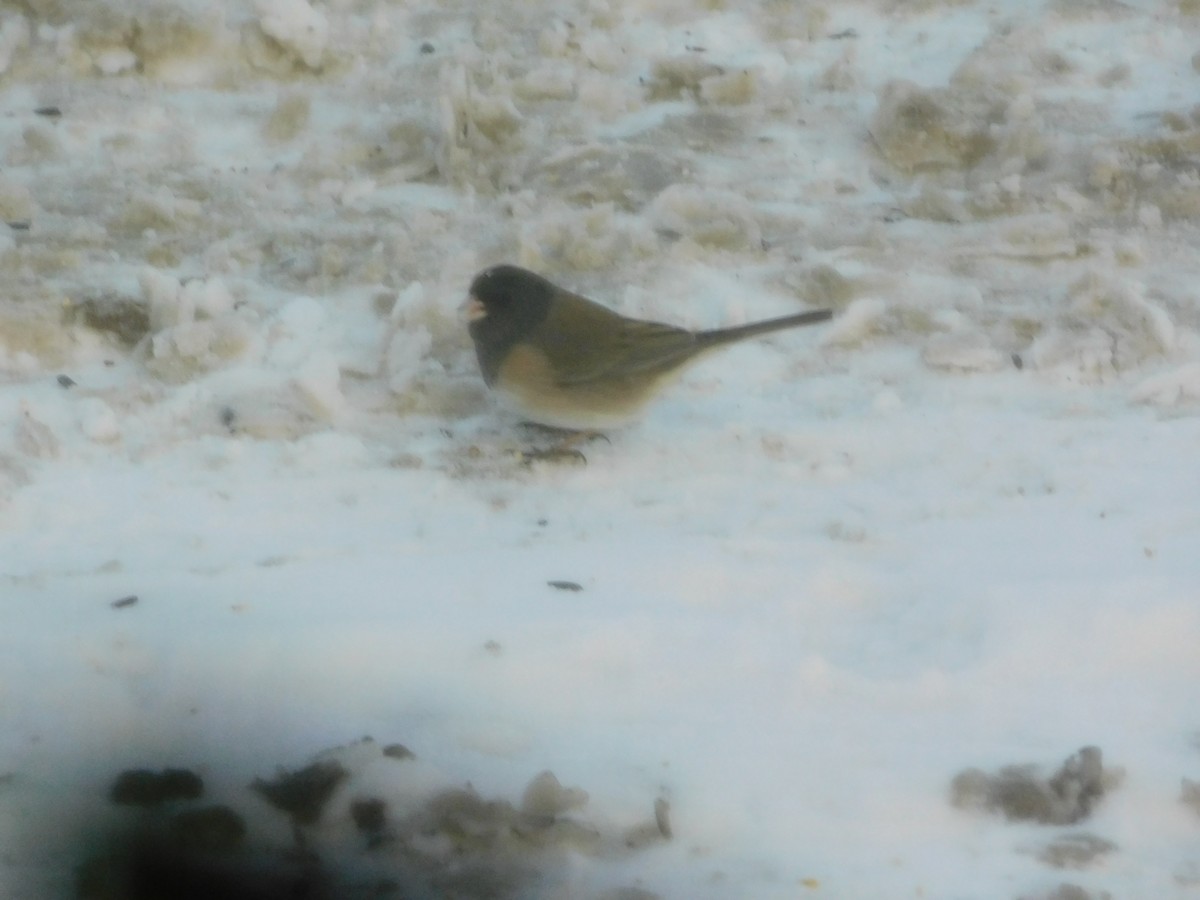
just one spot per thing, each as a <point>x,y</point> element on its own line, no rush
<point>595,344</point>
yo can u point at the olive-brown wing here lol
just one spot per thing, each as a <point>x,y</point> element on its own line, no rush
<point>586,342</point>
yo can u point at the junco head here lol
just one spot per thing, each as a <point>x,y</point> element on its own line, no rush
<point>559,359</point>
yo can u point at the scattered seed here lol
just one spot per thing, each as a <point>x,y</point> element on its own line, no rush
<point>1075,851</point>
<point>662,817</point>
<point>398,751</point>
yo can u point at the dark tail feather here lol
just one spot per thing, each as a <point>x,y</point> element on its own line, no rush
<point>741,332</point>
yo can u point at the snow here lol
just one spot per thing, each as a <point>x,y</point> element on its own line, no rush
<point>762,630</point>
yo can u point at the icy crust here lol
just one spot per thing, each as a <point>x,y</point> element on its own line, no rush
<point>610,144</point>
<point>187,42</point>
<point>1022,129</point>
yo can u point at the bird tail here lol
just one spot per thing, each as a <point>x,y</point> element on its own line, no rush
<point>718,336</point>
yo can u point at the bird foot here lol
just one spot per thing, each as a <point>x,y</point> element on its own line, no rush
<point>554,455</point>
<point>564,450</point>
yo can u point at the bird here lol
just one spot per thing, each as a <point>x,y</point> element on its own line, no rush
<point>560,360</point>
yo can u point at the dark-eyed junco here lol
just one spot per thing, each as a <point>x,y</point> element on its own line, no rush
<point>559,359</point>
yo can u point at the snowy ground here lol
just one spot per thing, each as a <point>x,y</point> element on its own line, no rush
<point>833,569</point>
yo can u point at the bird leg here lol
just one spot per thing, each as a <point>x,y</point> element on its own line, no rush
<point>565,449</point>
